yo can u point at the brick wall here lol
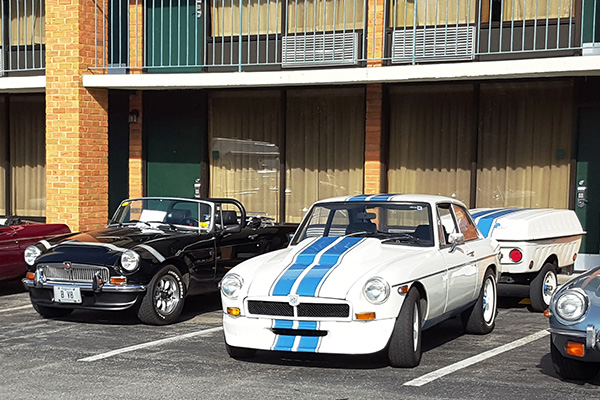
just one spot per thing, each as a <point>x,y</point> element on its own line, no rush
<point>136,186</point>
<point>76,120</point>
<point>373,126</point>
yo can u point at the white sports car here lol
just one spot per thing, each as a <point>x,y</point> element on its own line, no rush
<point>363,274</point>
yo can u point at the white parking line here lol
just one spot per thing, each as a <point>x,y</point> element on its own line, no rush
<point>150,344</point>
<point>475,359</point>
<point>15,308</point>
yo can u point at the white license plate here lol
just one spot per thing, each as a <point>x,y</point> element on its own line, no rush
<point>67,294</point>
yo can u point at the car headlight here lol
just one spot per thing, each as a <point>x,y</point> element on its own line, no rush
<point>31,254</point>
<point>376,290</point>
<point>231,285</point>
<point>130,260</point>
<point>571,305</point>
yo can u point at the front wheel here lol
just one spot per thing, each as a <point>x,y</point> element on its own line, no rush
<point>481,318</point>
<point>569,368</point>
<point>404,349</point>
<point>51,312</point>
<point>542,287</point>
<point>164,298</point>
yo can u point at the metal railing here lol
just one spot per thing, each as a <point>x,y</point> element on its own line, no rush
<point>22,35</point>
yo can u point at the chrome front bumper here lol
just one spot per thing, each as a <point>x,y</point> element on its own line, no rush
<point>591,335</point>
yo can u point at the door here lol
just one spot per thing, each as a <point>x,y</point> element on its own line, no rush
<point>174,35</point>
<point>175,129</point>
<point>12,264</point>
<point>587,204</point>
<point>461,260</point>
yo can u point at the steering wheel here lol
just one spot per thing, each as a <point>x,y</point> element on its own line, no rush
<point>190,221</point>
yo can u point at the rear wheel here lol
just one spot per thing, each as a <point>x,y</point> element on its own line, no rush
<point>569,368</point>
<point>542,287</point>
<point>51,312</point>
<point>481,318</point>
<point>404,349</point>
<point>164,298</point>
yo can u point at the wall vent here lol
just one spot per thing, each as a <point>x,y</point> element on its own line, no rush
<point>433,44</point>
<point>318,49</point>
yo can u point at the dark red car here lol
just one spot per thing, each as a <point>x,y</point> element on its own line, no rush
<point>15,236</point>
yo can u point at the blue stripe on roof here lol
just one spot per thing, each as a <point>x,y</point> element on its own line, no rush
<point>381,197</point>
<point>485,224</point>
<point>329,260</point>
<point>360,197</point>
<point>303,260</point>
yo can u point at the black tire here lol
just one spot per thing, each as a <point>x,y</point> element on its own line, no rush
<point>542,287</point>
<point>164,298</point>
<point>51,312</point>
<point>481,317</point>
<point>569,368</point>
<point>240,353</point>
<point>404,349</point>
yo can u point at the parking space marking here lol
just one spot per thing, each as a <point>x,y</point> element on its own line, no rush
<point>150,344</point>
<point>15,308</point>
<point>475,359</point>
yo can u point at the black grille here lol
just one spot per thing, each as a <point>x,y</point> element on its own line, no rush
<point>310,310</point>
<point>314,310</point>
<point>270,308</point>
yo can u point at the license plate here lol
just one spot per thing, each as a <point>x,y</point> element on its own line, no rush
<point>67,294</point>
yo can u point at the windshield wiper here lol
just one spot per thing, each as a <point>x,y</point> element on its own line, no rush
<point>403,237</point>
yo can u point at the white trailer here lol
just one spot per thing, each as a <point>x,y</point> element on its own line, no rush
<point>535,246</point>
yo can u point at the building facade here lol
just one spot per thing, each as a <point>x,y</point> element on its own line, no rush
<point>281,103</point>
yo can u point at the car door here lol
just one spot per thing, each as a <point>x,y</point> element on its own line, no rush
<point>11,265</point>
<point>461,259</point>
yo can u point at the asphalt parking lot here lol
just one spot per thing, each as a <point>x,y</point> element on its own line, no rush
<point>111,355</point>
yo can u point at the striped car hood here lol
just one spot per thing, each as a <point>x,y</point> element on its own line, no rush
<point>323,267</point>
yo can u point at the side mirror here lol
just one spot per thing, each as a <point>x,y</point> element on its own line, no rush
<point>456,238</point>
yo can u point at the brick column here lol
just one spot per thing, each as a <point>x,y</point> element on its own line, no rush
<point>136,187</point>
<point>76,120</point>
<point>375,33</point>
<point>136,36</point>
<point>373,127</point>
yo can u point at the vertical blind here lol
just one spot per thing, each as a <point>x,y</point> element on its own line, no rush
<point>245,149</point>
<point>431,140</point>
<point>325,137</point>
<point>3,137</point>
<point>432,12</point>
<point>525,145</point>
<point>28,155</point>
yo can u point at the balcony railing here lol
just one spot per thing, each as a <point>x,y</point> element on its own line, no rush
<point>22,36</point>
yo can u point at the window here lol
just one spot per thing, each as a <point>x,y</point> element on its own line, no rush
<point>245,17</point>
<point>465,225</point>
<point>325,15</point>
<point>409,13</point>
<point>511,10</point>
<point>26,21</point>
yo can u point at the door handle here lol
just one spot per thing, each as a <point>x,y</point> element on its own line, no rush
<point>253,236</point>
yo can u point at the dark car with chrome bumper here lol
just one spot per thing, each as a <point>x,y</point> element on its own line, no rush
<point>152,255</point>
<point>574,325</point>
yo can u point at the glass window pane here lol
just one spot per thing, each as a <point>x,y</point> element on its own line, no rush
<point>28,156</point>
<point>3,158</point>
<point>245,154</point>
<point>325,15</point>
<point>245,17</point>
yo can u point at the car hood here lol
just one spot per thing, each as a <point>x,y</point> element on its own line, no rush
<point>122,237</point>
<point>324,267</point>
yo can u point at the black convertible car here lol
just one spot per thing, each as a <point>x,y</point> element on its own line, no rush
<point>153,253</point>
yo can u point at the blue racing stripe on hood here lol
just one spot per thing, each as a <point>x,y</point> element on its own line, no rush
<point>482,213</point>
<point>486,223</point>
<point>303,260</point>
<point>327,262</point>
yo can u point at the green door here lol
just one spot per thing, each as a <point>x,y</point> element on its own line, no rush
<point>587,201</point>
<point>175,138</point>
<point>174,35</point>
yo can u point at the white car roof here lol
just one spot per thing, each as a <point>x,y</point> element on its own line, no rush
<point>425,198</point>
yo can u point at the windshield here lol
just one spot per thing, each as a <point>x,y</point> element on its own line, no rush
<point>174,212</point>
<point>394,223</point>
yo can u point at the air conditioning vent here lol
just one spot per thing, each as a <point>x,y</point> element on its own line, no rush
<point>307,50</point>
<point>433,44</point>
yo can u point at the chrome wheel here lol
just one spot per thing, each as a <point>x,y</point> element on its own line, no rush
<point>549,286</point>
<point>489,300</point>
<point>167,295</point>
